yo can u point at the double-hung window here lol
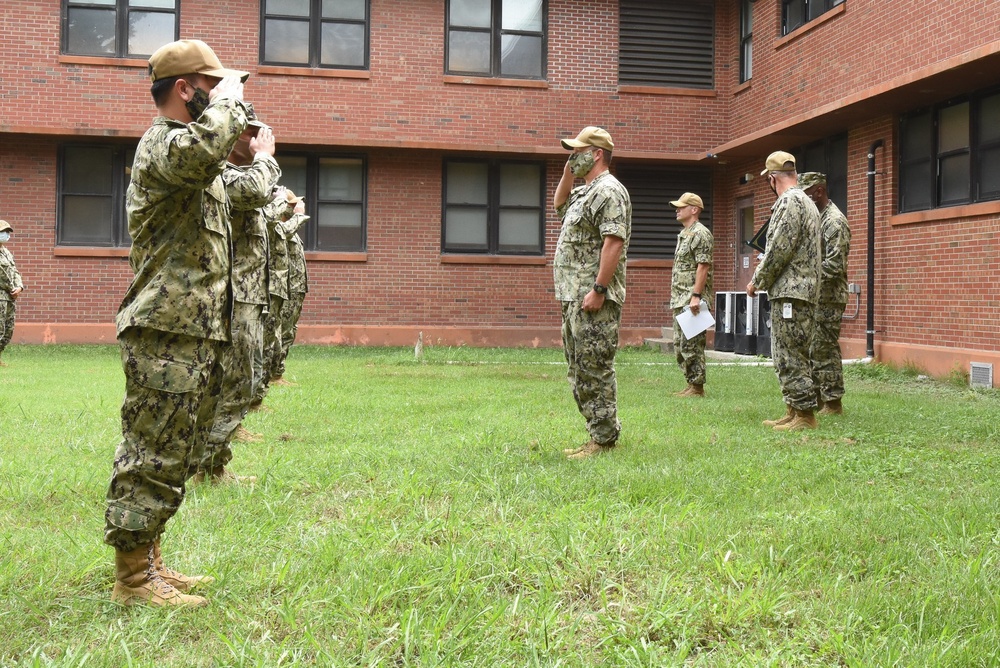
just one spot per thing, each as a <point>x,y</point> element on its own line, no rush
<point>496,38</point>
<point>950,154</point>
<point>335,192</point>
<point>493,207</point>
<point>796,13</point>
<point>91,199</point>
<point>746,40</point>
<point>118,28</point>
<point>315,33</point>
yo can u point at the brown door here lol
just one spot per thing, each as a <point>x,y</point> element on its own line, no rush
<point>746,257</point>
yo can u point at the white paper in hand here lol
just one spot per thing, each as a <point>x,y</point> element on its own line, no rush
<point>693,325</point>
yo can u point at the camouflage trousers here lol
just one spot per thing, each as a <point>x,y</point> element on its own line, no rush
<point>172,383</point>
<point>290,312</point>
<point>7,309</point>
<point>827,363</point>
<point>272,346</point>
<point>690,353</point>
<point>590,342</point>
<point>790,341</point>
<point>237,387</point>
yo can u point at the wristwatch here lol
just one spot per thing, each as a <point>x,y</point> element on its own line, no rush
<point>600,289</point>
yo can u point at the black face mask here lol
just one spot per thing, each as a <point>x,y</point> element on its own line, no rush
<point>197,104</point>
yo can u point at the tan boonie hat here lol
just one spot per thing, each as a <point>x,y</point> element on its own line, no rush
<point>776,162</point>
<point>809,179</point>
<point>590,136</point>
<point>5,226</point>
<point>188,56</point>
<point>688,199</point>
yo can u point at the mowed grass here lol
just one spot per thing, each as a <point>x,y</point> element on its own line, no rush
<point>420,513</point>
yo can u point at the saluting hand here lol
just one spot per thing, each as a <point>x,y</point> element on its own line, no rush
<point>263,142</point>
<point>231,86</point>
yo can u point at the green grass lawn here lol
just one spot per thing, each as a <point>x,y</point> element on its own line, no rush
<point>421,514</point>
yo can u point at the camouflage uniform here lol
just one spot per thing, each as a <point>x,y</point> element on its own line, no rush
<point>789,273</point>
<point>298,286</point>
<point>10,280</point>
<point>694,247</point>
<point>275,213</point>
<point>827,365</point>
<point>590,339</point>
<point>249,188</point>
<point>174,320</point>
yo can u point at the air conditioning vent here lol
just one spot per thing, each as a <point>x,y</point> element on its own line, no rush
<point>980,375</point>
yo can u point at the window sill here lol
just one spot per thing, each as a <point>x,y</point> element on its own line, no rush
<point>326,256</point>
<point>491,81</point>
<point>947,213</point>
<point>89,251</point>
<point>746,85</point>
<point>331,73</point>
<point>812,25</point>
<point>494,259</point>
<point>666,90</point>
<point>68,59</point>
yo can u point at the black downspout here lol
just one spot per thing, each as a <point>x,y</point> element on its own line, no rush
<point>870,332</point>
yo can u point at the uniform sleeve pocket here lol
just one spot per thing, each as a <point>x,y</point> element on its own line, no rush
<point>127,519</point>
<point>215,207</point>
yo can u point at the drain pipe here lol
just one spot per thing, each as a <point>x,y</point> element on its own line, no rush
<point>870,331</point>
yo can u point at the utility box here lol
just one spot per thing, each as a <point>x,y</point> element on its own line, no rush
<point>762,323</point>
<point>725,339</point>
<point>744,325</point>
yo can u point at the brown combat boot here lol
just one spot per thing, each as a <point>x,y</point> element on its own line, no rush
<point>179,581</point>
<point>789,415</point>
<point>589,449</point>
<point>832,407</point>
<point>220,475</point>
<point>691,390</point>
<point>137,582</point>
<point>803,420</point>
<point>573,451</point>
<point>281,382</point>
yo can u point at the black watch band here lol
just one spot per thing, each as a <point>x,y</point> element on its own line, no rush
<point>696,294</point>
<point>600,289</point>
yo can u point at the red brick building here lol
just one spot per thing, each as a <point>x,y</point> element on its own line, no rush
<point>425,137</point>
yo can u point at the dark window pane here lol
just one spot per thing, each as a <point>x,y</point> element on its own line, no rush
<point>989,172</point>
<point>989,119</point>
<point>341,179</point>
<point>343,44</point>
<point>953,128</point>
<point>465,228</point>
<point>470,13</point>
<point>469,52</point>
<point>520,185</point>
<point>521,56</point>
<point>916,139</point>
<point>293,174</point>
<point>955,178</point>
<point>91,31</point>
<point>87,170</point>
<point>794,15</point>
<point>286,41</point>
<point>288,7</point>
<point>86,220</point>
<point>339,227</point>
<point>523,15</point>
<point>467,183</point>
<point>916,186</point>
<point>519,230</point>
<point>148,31</point>
<point>344,9</point>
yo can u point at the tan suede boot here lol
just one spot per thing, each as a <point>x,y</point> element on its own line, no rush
<point>691,391</point>
<point>179,581</point>
<point>590,449</point>
<point>789,414</point>
<point>244,435</point>
<point>573,451</point>
<point>137,582</point>
<point>803,420</point>
<point>832,407</point>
